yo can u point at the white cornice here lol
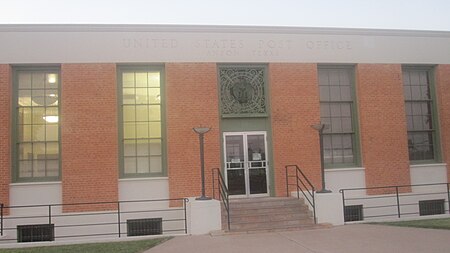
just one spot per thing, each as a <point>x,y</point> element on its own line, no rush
<point>217,29</point>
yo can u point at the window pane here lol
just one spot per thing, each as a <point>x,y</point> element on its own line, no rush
<point>154,96</point>
<point>52,132</point>
<point>155,164</point>
<point>38,115</point>
<point>336,125</point>
<point>52,168</point>
<point>141,96</point>
<point>141,130</point>
<point>129,165</point>
<point>155,130</point>
<point>52,150</point>
<point>324,93</point>
<point>51,81</point>
<point>141,79</point>
<point>25,98</point>
<point>129,113</point>
<point>141,121</point>
<point>143,165</point>
<point>38,133</point>
<point>129,130</point>
<point>154,79</point>
<point>155,147</point>
<point>24,80</point>
<point>346,93</point>
<point>25,151</point>
<point>335,93</point>
<point>142,113</point>
<point>154,113</point>
<point>143,148</point>
<point>128,96</point>
<point>25,168</point>
<point>129,148</point>
<point>128,79</point>
<point>324,110</point>
<point>37,124</point>
<point>24,133</point>
<point>38,80</point>
<point>419,114</point>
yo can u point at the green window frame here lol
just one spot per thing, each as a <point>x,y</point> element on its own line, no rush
<point>421,114</point>
<point>36,129</point>
<point>141,121</point>
<point>338,112</point>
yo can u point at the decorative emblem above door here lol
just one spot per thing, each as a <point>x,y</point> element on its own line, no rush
<point>242,91</point>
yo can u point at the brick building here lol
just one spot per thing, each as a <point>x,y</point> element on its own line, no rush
<point>105,113</point>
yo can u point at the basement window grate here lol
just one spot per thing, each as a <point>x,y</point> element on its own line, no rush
<point>36,233</point>
<point>431,207</point>
<point>353,213</point>
<point>150,226</point>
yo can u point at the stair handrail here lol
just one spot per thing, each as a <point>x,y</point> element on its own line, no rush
<point>302,187</point>
<point>223,192</point>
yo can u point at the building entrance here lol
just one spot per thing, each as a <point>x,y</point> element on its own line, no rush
<point>246,163</point>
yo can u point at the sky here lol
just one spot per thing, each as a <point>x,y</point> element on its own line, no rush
<point>380,14</point>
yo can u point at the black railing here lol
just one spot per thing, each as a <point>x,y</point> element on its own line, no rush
<point>107,217</point>
<point>302,184</point>
<point>395,201</point>
<point>223,192</point>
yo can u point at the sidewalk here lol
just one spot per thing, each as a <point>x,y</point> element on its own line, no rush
<point>342,239</point>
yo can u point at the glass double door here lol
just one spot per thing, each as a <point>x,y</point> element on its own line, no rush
<point>246,163</point>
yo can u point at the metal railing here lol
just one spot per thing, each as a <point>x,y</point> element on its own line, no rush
<point>303,185</point>
<point>223,192</point>
<point>394,201</point>
<point>108,217</point>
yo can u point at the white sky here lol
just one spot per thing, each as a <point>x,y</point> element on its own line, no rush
<point>385,14</point>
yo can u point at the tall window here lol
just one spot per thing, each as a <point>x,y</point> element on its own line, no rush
<point>141,117</point>
<point>419,105</point>
<point>337,111</point>
<point>37,124</point>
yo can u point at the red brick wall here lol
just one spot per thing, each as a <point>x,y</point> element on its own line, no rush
<point>89,134</point>
<point>443,97</point>
<point>382,118</point>
<point>294,98</point>
<point>5,132</point>
<point>192,100</point>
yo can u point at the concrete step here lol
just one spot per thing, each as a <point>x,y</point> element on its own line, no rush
<point>268,210</point>
<point>265,202</point>
<point>267,214</point>
<point>271,230</point>
<point>271,225</point>
<point>267,217</point>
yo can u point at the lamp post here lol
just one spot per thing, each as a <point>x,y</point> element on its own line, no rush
<point>320,127</point>
<point>201,131</point>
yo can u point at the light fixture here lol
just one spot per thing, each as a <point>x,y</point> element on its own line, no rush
<point>320,127</point>
<point>201,131</point>
<point>51,78</point>
<point>51,119</point>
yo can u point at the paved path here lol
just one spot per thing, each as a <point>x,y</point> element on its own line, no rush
<point>359,238</point>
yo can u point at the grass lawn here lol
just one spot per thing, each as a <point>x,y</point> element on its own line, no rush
<point>431,223</point>
<point>110,247</point>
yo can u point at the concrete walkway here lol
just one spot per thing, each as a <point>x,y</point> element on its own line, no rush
<point>358,238</point>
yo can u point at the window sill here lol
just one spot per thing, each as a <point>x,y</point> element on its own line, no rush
<point>431,164</point>
<point>36,183</point>
<point>344,169</point>
<point>142,179</point>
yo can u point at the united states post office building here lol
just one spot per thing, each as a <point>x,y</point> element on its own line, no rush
<point>104,113</point>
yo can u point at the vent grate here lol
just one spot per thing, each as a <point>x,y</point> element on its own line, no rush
<point>431,207</point>
<point>36,233</point>
<point>150,226</point>
<point>353,213</point>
